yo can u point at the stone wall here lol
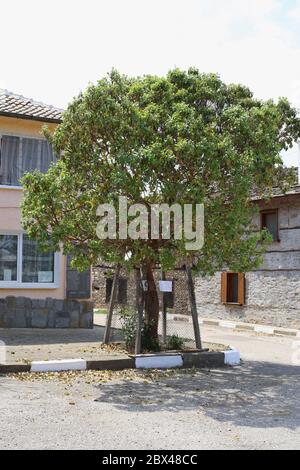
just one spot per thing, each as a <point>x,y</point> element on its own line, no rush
<point>23,312</point>
<point>181,303</point>
<point>273,290</point>
<point>99,286</point>
<point>272,298</point>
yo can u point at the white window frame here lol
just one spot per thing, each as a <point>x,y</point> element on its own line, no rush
<point>18,284</point>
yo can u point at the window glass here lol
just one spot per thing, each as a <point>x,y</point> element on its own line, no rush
<point>37,266</point>
<point>270,221</point>
<point>8,257</point>
<point>109,283</point>
<point>122,292</point>
<point>232,287</point>
<point>19,155</point>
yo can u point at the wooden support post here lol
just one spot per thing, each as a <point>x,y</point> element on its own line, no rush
<point>191,290</point>
<point>111,305</point>
<point>164,312</point>
<point>139,307</point>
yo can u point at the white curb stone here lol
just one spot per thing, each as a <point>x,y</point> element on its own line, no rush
<point>158,362</point>
<point>58,365</point>
<point>227,324</point>
<point>264,329</point>
<point>232,357</point>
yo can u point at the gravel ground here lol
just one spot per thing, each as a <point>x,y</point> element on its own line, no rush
<point>25,345</point>
<point>255,406</point>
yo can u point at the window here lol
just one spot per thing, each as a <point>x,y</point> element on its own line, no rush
<point>19,155</point>
<point>36,266</point>
<point>121,290</point>
<point>269,220</point>
<point>8,257</point>
<point>23,265</point>
<point>169,299</point>
<point>233,288</point>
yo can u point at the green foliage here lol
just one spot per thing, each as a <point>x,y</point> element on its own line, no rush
<point>174,342</point>
<point>128,319</point>
<point>184,138</point>
<point>148,342</point>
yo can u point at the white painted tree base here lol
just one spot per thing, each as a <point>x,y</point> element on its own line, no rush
<point>158,362</point>
<point>232,357</point>
<point>58,365</point>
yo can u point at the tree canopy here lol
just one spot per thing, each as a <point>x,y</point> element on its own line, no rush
<point>184,138</point>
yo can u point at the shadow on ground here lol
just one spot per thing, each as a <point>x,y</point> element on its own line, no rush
<point>35,336</point>
<point>256,394</point>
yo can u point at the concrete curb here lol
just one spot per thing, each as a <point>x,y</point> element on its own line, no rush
<point>263,329</point>
<point>143,361</point>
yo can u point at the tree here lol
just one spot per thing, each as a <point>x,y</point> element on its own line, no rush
<point>184,138</point>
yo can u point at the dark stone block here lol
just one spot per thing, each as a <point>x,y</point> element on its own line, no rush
<point>86,320</point>
<point>20,301</point>
<point>3,308</point>
<point>14,368</point>
<point>62,322</point>
<point>74,319</point>
<point>28,316</point>
<point>112,364</point>
<point>38,303</point>
<point>20,318</point>
<point>58,305</point>
<point>39,318</point>
<point>9,319</point>
<point>49,302</point>
<point>28,304</point>
<point>51,319</point>
<point>62,319</point>
<point>203,359</point>
<point>10,302</point>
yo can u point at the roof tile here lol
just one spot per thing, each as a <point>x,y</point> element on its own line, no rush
<point>11,103</point>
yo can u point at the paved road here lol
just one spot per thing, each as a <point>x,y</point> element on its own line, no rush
<point>253,406</point>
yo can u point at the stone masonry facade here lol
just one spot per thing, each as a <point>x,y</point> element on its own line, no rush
<point>272,298</point>
<point>181,302</point>
<point>272,292</point>
<point>24,312</point>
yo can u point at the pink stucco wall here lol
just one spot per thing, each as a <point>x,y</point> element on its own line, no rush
<point>10,217</point>
<point>10,220</point>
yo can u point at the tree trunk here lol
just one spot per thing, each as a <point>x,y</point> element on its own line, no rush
<point>151,302</point>
<point>139,307</point>
<point>111,305</point>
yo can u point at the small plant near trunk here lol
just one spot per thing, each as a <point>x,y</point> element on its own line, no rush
<point>174,342</point>
<point>149,343</point>
<point>128,317</point>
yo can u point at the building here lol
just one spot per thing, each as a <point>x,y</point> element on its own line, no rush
<point>177,300</point>
<point>271,293</point>
<point>36,289</point>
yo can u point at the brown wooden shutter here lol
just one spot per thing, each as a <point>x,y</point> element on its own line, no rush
<point>78,283</point>
<point>223,287</point>
<point>241,288</point>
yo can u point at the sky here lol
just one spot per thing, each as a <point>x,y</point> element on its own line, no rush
<point>52,49</point>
